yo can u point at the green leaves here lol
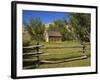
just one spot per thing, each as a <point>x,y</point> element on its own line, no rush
<point>61,26</point>
<point>36,29</point>
<point>81,22</point>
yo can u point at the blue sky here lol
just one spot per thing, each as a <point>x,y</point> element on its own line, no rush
<point>45,16</point>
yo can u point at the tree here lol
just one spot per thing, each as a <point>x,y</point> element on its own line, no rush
<point>81,23</point>
<point>36,29</point>
<point>61,26</point>
<point>52,27</point>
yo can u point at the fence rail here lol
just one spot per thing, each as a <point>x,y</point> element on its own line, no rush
<point>35,46</point>
<point>28,60</point>
<point>34,53</point>
<point>61,47</point>
<point>38,53</point>
<point>65,60</point>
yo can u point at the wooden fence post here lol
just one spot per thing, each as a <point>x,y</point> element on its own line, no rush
<point>84,50</point>
<point>38,58</point>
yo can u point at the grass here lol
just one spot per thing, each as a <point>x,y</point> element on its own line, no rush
<point>63,54</point>
<point>76,63</point>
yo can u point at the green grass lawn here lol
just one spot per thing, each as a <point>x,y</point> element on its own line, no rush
<point>62,54</point>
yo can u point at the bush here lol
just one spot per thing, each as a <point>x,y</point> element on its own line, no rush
<point>26,42</point>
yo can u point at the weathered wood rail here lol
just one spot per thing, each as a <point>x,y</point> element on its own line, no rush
<point>38,54</point>
<point>65,60</point>
<point>61,47</point>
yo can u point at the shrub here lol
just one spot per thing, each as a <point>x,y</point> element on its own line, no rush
<point>26,42</point>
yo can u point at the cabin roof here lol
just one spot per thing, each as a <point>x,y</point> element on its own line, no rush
<point>54,33</point>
